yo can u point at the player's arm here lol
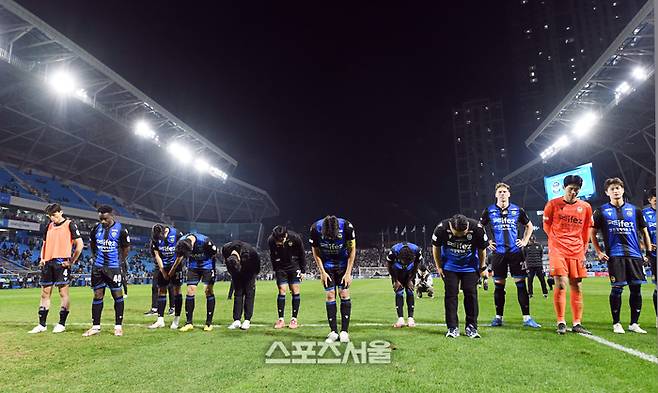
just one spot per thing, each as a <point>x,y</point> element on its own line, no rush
<point>43,247</point>
<point>179,257</point>
<point>301,256</point>
<point>437,242</point>
<point>158,260</point>
<point>390,258</point>
<point>272,246</point>
<point>643,232</point>
<point>315,250</point>
<point>351,246</point>
<point>596,225</point>
<point>586,233</point>
<point>92,241</point>
<point>78,244</point>
<point>484,221</point>
<point>480,242</point>
<point>548,218</point>
<point>529,228</point>
<point>124,245</point>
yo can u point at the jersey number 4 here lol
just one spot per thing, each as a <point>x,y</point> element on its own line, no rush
<point>117,278</point>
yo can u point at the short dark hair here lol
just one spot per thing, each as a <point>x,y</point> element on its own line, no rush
<point>406,255</point>
<point>279,232</point>
<point>573,180</point>
<point>612,182</point>
<point>422,268</point>
<point>157,231</point>
<point>501,184</point>
<point>52,208</point>
<point>184,247</point>
<point>651,193</point>
<point>330,228</point>
<point>102,209</point>
<point>459,222</point>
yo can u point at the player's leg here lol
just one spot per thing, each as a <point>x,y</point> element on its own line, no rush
<point>499,266</point>
<point>98,286</point>
<point>330,305</point>
<point>161,300</point>
<point>398,289</point>
<point>282,285</point>
<point>411,299</point>
<point>560,302</point>
<point>193,279</point>
<point>652,262</point>
<point>635,276</point>
<point>65,304</point>
<point>116,289</point>
<point>172,297</point>
<point>542,281</point>
<point>531,278</point>
<point>249,299</point>
<point>210,304</point>
<point>576,301</point>
<point>471,307</point>
<point>154,294</point>
<point>345,313</point>
<point>238,301</point>
<point>294,284</point>
<point>519,274</point>
<point>178,305</point>
<point>451,283</point>
<point>47,280</point>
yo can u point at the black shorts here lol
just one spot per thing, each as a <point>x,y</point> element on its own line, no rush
<point>194,275</point>
<point>624,271</point>
<point>501,263</point>
<point>285,277</point>
<point>102,277</point>
<point>335,279</point>
<point>652,263</point>
<point>176,279</point>
<point>404,277</point>
<point>53,273</point>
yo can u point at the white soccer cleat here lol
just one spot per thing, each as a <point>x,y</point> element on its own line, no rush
<point>37,329</point>
<point>160,323</point>
<point>174,323</point>
<point>344,337</point>
<point>400,323</point>
<point>91,332</point>
<point>245,325</point>
<point>411,322</point>
<point>235,325</point>
<point>636,329</point>
<point>617,328</point>
<point>331,338</point>
<point>59,328</point>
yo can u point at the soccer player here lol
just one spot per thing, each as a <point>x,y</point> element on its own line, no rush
<point>621,224</point>
<point>566,222</point>
<point>200,253</point>
<point>424,282</point>
<point>333,243</point>
<point>649,214</point>
<point>289,265</point>
<point>55,262</point>
<point>503,219</point>
<point>163,248</point>
<point>403,260</point>
<point>458,247</point>
<point>110,244</point>
<point>534,254</point>
<point>243,263</point>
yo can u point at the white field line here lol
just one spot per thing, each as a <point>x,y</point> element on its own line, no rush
<point>630,351</point>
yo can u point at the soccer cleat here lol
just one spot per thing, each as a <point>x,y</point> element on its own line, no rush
<point>617,328</point>
<point>151,312</point>
<point>125,296</point>
<point>158,324</point>
<point>235,325</point>
<point>636,329</point>
<point>280,323</point>
<point>344,337</point>
<point>174,323</point>
<point>578,328</point>
<point>293,324</point>
<point>452,333</point>
<point>118,331</point>
<point>332,337</point>
<point>531,323</point>
<point>472,332</point>
<point>59,328</point>
<point>91,332</point>
<point>207,328</point>
<point>37,329</point>
<point>411,322</point>
<point>245,325</point>
<point>496,322</point>
<point>400,323</point>
<point>561,328</point>
<point>186,328</point>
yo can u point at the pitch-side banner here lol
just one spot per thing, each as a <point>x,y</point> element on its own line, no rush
<point>16,224</point>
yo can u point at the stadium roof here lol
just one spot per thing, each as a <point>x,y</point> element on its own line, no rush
<point>102,131</point>
<point>608,116</point>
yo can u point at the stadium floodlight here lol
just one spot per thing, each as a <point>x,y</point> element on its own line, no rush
<point>584,125</point>
<point>562,141</point>
<point>62,82</point>
<point>180,152</point>
<point>623,89</point>
<point>218,173</point>
<point>143,129</point>
<point>640,73</point>
<point>201,165</point>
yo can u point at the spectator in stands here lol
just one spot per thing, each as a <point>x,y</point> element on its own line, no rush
<point>56,260</point>
<point>534,254</point>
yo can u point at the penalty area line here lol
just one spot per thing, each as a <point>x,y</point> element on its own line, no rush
<point>619,347</point>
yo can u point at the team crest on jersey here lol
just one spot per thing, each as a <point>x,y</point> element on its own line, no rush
<point>629,213</point>
<point>290,244</point>
<point>114,232</point>
<point>579,209</point>
<point>469,237</point>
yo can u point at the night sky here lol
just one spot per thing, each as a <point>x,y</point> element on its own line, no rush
<point>331,109</point>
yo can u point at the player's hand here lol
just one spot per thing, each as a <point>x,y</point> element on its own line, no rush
<point>521,243</point>
<point>42,263</point>
<point>491,246</point>
<point>653,247</point>
<point>301,276</point>
<point>440,272</point>
<point>164,273</point>
<point>484,274</point>
<point>347,280</point>
<point>324,277</point>
<point>602,256</point>
<point>66,264</point>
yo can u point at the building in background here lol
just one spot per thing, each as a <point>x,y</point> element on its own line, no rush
<point>480,151</point>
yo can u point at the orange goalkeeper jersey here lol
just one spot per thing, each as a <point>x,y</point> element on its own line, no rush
<point>567,226</point>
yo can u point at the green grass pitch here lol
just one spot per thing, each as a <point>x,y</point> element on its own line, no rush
<point>507,359</point>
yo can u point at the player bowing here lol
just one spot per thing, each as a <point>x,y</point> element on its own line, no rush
<point>289,265</point>
<point>403,261</point>
<point>163,248</point>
